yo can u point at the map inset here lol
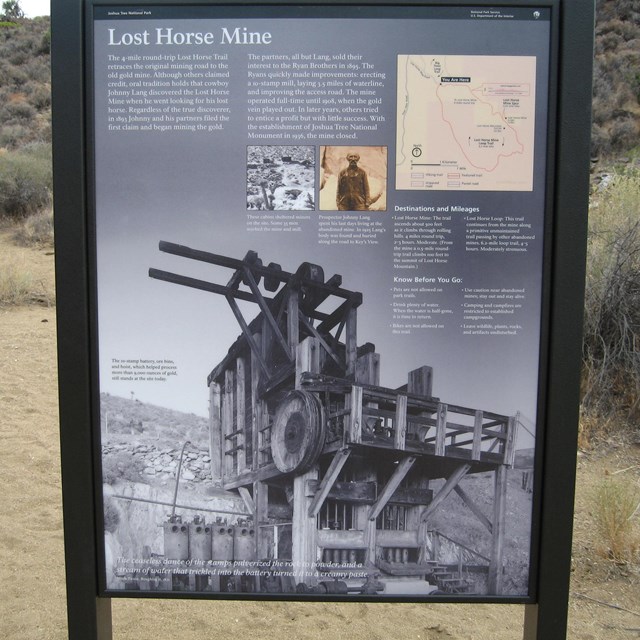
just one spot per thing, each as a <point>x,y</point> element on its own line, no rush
<point>465,123</point>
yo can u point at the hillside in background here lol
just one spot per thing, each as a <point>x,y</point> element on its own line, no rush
<point>25,83</point>
<point>124,416</point>
<point>616,78</point>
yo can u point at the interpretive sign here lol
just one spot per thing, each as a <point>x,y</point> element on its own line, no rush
<point>321,277</point>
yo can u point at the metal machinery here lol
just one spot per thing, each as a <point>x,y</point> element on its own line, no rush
<point>336,470</point>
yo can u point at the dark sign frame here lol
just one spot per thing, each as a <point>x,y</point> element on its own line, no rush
<point>546,610</point>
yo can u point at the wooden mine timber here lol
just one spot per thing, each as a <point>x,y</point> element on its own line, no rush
<point>335,468</point>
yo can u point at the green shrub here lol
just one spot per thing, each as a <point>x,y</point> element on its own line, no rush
<point>25,180</point>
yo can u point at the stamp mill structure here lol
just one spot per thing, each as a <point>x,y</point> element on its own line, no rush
<point>341,476</point>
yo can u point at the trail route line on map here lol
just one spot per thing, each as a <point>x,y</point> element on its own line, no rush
<point>465,123</point>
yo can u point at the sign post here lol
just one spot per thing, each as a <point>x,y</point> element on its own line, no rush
<point>319,275</point>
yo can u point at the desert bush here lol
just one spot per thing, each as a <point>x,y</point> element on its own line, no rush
<point>20,110</point>
<point>12,76</point>
<point>594,428</point>
<point>18,286</point>
<point>39,95</point>
<point>45,44</point>
<point>36,230</point>
<point>616,504</point>
<point>120,466</point>
<point>25,180</point>
<point>611,343</point>
<point>600,140</point>
<point>111,515</point>
<point>624,134</point>
<point>37,69</point>
<point>14,135</point>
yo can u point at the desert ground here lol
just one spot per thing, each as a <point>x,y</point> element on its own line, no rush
<point>604,596</point>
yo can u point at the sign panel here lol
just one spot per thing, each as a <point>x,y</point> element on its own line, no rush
<point>319,291</point>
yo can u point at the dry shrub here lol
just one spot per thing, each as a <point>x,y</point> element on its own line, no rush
<point>117,466</point>
<point>36,230</point>
<point>592,428</point>
<point>616,505</point>
<point>25,180</point>
<point>18,286</point>
<point>611,344</point>
<point>111,515</point>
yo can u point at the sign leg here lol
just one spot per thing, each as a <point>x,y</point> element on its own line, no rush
<point>91,621</point>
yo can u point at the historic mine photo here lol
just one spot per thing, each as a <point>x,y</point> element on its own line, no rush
<point>281,178</point>
<point>311,474</point>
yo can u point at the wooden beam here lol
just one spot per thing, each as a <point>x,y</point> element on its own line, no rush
<point>351,342</point>
<point>446,489</point>
<point>412,496</point>
<point>257,408</point>
<point>293,325</point>
<point>336,316</point>
<point>323,382</point>
<point>263,474</point>
<point>320,295</point>
<point>312,330</point>
<point>394,482</point>
<point>236,278</point>
<point>266,312</point>
<point>339,459</point>
<point>240,415</point>
<point>202,285</point>
<point>227,422</point>
<point>495,580</point>
<point>248,500</point>
<point>234,450</point>
<point>466,498</point>
<point>281,377</point>
<point>510,445</point>
<point>304,530</point>
<point>247,334</point>
<point>355,415</point>
<point>358,492</point>
<point>400,422</point>
<point>233,263</point>
<point>420,381</point>
<point>261,516</point>
<point>307,358</point>
<point>368,369</point>
<point>456,429</point>
<point>215,434</point>
<point>441,429</point>
<point>476,449</point>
